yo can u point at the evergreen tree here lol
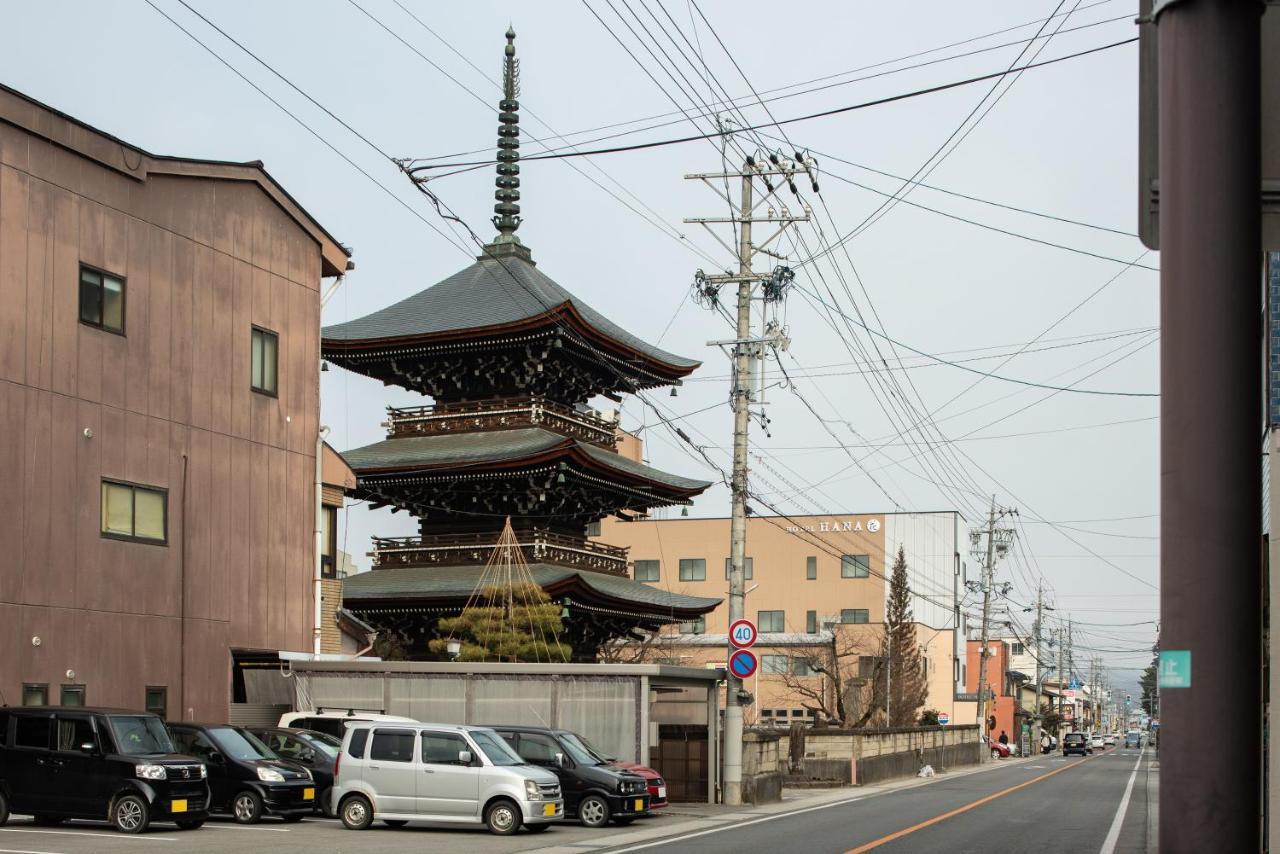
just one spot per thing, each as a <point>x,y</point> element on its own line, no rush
<point>1148,683</point>
<point>906,680</point>
<point>517,623</point>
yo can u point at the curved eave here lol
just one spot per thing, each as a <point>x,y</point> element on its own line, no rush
<point>565,312</point>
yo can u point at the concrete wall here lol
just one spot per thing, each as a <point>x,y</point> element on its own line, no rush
<point>867,756</point>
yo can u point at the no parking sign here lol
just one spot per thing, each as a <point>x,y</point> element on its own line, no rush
<point>743,663</point>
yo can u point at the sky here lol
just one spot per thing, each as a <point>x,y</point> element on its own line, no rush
<point>1081,468</point>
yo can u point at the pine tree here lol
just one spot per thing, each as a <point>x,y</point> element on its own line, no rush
<point>907,683</point>
<point>519,623</point>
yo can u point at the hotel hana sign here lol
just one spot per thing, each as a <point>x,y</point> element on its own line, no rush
<point>837,526</point>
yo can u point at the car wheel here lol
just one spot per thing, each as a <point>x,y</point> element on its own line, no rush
<point>394,822</point>
<point>131,814</point>
<point>537,828</point>
<point>503,818</point>
<point>246,807</point>
<point>4,809</point>
<point>593,811</point>
<point>294,817</point>
<point>995,754</point>
<point>190,823</point>
<point>356,813</point>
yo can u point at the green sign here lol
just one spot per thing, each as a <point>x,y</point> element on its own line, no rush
<point>1175,669</point>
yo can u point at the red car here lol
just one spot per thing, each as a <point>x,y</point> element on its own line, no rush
<point>657,786</point>
<point>998,750</point>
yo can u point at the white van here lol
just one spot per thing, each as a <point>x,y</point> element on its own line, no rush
<point>334,722</point>
<point>398,773</point>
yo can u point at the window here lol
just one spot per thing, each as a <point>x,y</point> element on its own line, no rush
<point>101,300</point>
<point>438,748</point>
<point>648,570</point>
<point>855,566</point>
<point>358,740</point>
<point>329,536</point>
<point>853,615</point>
<point>811,622</point>
<point>593,528</point>
<point>73,732</point>
<point>393,745</point>
<point>797,713</point>
<point>773,664</point>
<point>73,695</point>
<point>132,512</point>
<point>157,701</point>
<point>264,347</point>
<point>693,569</point>
<point>695,627</point>
<point>538,749</point>
<point>32,731</point>
<point>35,695</point>
<point>748,571</point>
<point>867,666</point>
<point>811,568</point>
<point>771,621</point>
<point>802,667</point>
<point>1018,649</point>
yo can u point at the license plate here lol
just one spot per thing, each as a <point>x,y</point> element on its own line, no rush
<point>662,791</point>
<point>548,809</point>
<point>308,794</point>
<point>178,806</point>
<point>639,805</point>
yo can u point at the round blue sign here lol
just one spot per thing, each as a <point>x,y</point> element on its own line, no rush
<point>742,663</point>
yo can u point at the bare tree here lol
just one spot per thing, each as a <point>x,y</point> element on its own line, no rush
<point>828,682</point>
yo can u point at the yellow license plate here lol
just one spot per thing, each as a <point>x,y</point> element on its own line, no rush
<point>639,805</point>
<point>308,794</point>
<point>178,806</point>
<point>548,809</point>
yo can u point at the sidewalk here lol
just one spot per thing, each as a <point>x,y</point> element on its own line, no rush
<point>679,819</point>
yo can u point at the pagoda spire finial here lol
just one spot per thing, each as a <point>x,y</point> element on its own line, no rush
<point>507,211</point>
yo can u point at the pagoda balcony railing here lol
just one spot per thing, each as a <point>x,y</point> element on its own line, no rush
<point>502,413</point>
<point>538,546</point>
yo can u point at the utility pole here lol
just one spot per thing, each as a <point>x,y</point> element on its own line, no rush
<point>1038,630</point>
<point>998,542</point>
<point>747,351</point>
<point>1062,682</point>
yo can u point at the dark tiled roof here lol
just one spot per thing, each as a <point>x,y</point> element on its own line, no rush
<point>497,446</point>
<point>457,582</point>
<point>484,295</point>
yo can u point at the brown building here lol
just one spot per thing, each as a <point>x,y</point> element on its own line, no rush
<point>810,580</point>
<point>159,412</point>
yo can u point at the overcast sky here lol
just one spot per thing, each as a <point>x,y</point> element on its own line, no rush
<point>1062,141</point>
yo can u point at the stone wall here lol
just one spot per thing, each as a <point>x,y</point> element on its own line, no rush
<point>870,755</point>
<point>762,767</point>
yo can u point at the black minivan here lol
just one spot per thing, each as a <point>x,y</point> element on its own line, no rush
<point>593,792</point>
<point>61,762</point>
<point>246,779</point>
<point>315,751</point>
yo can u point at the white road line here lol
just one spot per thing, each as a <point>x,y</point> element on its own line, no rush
<point>1113,836</point>
<point>25,851</point>
<point>116,836</point>
<point>234,827</point>
<point>732,826</point>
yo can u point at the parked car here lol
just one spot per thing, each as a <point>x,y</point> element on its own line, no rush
<point>1096,741</point>
<point>594,793</point>
<point>246,779</point>
<point>1076,742</point>
<point>58,763</point>
<point>335,723</point>
<point>998,750</point>
<point>315,751</point>
<point>1109,740</point>
<point>1133,738</point>
<point>657,785</point>
<point>399,773</point>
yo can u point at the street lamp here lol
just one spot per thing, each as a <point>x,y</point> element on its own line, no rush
<point>454,649</point>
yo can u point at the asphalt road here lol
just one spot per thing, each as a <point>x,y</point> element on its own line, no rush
<point>1044,805</point>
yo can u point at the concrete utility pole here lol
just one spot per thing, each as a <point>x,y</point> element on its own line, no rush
<point>1038,628</point>
<point>747,352</point>
<point>1210,106</point>
<point>1062,682</point>
<point>998,542</point>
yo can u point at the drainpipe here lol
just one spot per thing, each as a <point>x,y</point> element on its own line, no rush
<point>319,532</point>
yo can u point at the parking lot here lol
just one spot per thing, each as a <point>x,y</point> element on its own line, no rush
<point>321,836</point>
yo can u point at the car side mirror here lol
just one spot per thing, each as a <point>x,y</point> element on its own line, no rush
<point>216,758</point>
<point>307,756</point>
<point>559,760</point>
<point>464,757</point>
<point>88,747</point>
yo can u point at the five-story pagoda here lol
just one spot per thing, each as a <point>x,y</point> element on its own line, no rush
<point>510,360</point>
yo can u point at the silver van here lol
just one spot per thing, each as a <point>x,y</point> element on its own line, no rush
<point>398,773</point>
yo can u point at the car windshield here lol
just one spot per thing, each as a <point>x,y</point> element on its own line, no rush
<point>240,744</point>
<point>140,735</point>
<point>580,751</point>
<point>498,751</point>
<point>326,744</point>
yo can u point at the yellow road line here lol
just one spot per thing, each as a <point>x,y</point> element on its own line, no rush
<point>898,834</point>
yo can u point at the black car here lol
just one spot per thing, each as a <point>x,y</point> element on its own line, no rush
<point>593,792</point>
<point>1076,742</point>
<point>59,762</point>
<point>315,751</point>
<point>246,779</point>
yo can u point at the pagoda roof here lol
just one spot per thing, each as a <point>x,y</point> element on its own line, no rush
<point>502,449</point>
<point>494,295</point>
<point>455,584</point>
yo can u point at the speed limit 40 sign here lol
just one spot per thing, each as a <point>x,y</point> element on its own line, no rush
<point>742,634</point>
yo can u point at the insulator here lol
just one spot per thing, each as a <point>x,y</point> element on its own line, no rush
<point>792,185</point>
<point>815,186</point>
<point>773,158</point>
<point>751,161</point>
